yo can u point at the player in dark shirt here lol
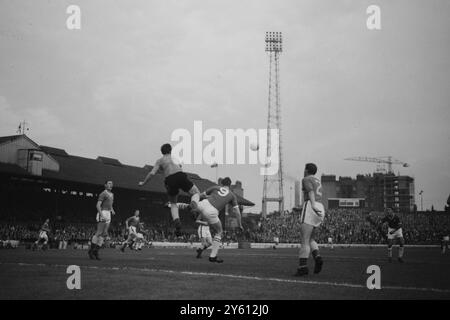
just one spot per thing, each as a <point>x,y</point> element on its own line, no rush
<point>394,233</point>
<point>43,236</point>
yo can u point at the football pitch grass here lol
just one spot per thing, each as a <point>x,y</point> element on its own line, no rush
<point>266,274</point>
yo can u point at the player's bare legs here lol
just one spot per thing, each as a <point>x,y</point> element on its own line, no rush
<point>390,243</point>
<point>206,243</point>
<point>97,240</point>
<point>128,242</point>
<point>195,197</point>
<point>217,228</point>
<point>305,249</point>
<point>175,214</point>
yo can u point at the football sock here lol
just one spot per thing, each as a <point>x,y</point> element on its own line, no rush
<point>302,262</point>
<point>305,250</point>
<point>390,252</point>
<point>314,248</point>
<point>177,223</point>
<point>100,242</point>
<point>174,211</point>
<point>400,251</point>
<point>215,246</point>
<point>315,254</point>
<point>182,206</point>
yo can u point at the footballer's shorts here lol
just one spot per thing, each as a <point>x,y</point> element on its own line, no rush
<point>330,240</point>
<point>105,216</point>
<point>209,212</point>
<point>397,234</point>
<point>177,181</point>
<point>132,231</point>
<point>139,236</point>
<point>43,235</point>
<point>203,232</point>
<point>309,216</point>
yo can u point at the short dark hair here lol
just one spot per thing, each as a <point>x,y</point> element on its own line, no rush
<point>166,148</point>
<point>311,168</point>
<point>109,180</point>
<point>226,182</point>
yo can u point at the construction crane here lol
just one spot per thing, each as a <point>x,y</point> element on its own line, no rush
<point>385,160</point>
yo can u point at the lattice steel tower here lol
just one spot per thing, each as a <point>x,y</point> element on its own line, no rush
<point>273,184</point>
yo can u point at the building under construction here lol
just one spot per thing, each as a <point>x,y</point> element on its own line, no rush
<point>373,192</point>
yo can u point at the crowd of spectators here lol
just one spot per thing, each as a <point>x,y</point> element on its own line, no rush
<point>346,226</point>
<point>352,226</point>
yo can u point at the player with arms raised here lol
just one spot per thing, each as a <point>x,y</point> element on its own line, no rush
<point>312,216</point>
<point>217,198</point>
<point>175,179</point>
<point>104,211</point>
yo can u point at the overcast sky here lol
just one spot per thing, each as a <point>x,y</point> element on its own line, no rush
<point>137,70</point>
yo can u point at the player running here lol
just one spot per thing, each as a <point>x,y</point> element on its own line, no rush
<point>43,236</point>
<point>312,216</point>
<point>104,211</point>
<point>394,232</point>
<point>175,179</point>
<point>204,235</point>
<point>140,240</point>
<point>217,198</point>
<point>131,225</point>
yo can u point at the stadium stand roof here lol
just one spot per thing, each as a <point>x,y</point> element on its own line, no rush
<point>97,171</point>
<point>54,151</point>
<point>9,138</point>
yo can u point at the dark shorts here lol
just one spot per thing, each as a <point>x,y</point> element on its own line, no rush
<point>177,181</point>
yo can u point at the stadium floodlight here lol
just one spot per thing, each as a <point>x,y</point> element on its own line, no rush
<point>274,42</point>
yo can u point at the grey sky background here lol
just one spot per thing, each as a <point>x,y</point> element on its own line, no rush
<point>137,70</point>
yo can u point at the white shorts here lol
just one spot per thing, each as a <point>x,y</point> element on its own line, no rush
<point>397,234</point>
<point>203,232</point>
<point>330,240</point>
<point>139,236</point>
<point>309,216</point>
<point>43,235</point>
<point>104,217</point>
<point>132,231</point>
<point>208,211</point>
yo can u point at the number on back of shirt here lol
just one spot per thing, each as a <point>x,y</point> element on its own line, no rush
<point>223,192</point>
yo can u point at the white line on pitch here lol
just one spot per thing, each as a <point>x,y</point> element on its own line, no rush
<point>234,276</point>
